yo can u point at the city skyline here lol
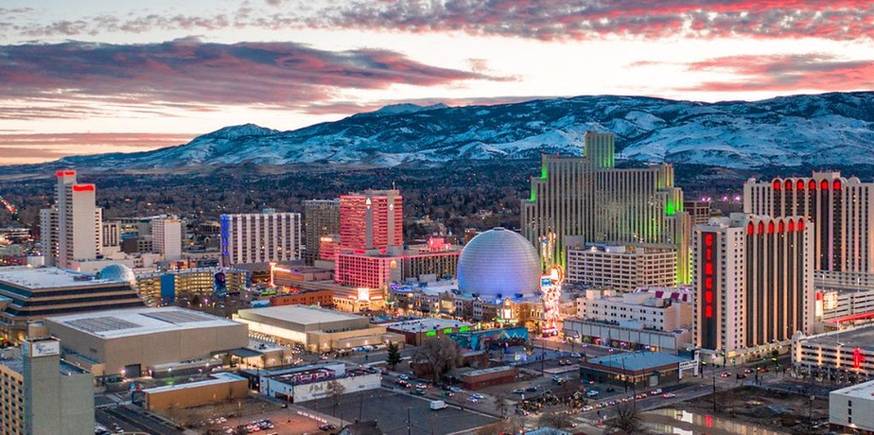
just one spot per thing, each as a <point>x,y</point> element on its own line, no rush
<point>120,77</point>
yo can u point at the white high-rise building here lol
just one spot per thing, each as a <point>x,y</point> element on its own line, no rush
<point>73,224</point>
<point>841,209</point>
<point>753,284</point>
<point>167,237</point>
<point>260,237</point>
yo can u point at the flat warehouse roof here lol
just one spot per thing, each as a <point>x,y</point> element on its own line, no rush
<point>862,337</point>
<point>865,390</point>
<point>425,324</point>
<point>637,360</point>
<point>139,321</point>
<point>300,314</point>
<point>48,277</point>
<point>217,378</point>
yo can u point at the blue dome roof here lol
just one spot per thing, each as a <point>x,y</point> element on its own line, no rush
<point>499,263</point>
<point>117,272</point>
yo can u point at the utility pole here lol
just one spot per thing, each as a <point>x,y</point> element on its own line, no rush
<point>409,423</point>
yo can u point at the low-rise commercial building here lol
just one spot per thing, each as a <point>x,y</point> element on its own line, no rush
<point>317,329</point>
<point>137,341</point>
<point>642,369</point>
<point>662,309</point>
<point>481,378</point>
<point>843,298</point>
<point>163,288</point>
<point>851,409</point>
<point>418,330</point>
<point>33,294</point>
<point>622,267</point>
<point>218,388</point>
<point>843,353</point>
<point>288,275</point>
<point>317,381</point>
<point>615,335</point>
<point>40,394</point>
<point>323,298</point>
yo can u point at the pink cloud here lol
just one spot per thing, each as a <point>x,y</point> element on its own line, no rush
<point>582,19</point>
<point>194,75</point>
<point>537,19</point>
<point>820,72</point>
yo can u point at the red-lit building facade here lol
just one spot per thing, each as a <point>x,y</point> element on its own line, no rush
<point>371,251</point>
<point>841,208</point>
<point>373,219</point>
<point>753,285</point>
<point>377,270</point>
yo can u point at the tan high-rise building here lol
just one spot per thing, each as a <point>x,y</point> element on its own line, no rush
<point>588,197</point>
<point>841,208</point>
<point>321,218</point>
<point>167,237</point>
<point>622,267</point>
<point>753,284</point>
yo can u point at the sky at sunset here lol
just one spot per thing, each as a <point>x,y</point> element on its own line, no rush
<point>81,77</point>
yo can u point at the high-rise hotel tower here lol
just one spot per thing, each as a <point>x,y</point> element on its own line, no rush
<point>588,198</point>
<point>842,210</point>
<point>373,219</point>
<point>753,284</point>
<point>269,236</point>
<point>72,229</point>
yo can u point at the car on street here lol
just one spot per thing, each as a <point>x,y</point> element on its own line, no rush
<point>327,427</point>
<point>669,395</point>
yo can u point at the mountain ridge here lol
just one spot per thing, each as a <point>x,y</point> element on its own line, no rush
<point>821,129</point>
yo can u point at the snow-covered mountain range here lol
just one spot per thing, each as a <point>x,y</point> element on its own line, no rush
<point>834,129</point>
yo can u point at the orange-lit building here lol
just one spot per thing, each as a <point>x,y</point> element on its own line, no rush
<point>315,297</point>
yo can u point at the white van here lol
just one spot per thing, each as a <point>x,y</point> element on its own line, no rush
<point>437,405</point>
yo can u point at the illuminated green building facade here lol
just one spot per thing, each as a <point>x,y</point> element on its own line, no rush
<point>588,198</point>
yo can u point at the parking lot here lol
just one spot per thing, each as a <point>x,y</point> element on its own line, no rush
<point>399,413</point>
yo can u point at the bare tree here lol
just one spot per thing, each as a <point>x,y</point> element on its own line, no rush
<point>440,354</point>
<point>501,405</point>
<point>627,419</point>
<point>553,420</point>
<point>510,426</point>
<point>335,392</point>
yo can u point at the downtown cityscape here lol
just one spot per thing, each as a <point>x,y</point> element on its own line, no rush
<point>438,238</point>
